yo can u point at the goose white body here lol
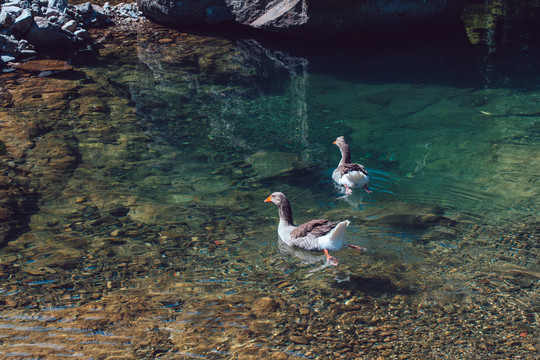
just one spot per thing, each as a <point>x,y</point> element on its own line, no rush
<point>351,179</point>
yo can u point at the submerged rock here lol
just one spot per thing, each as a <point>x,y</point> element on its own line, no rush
<point>270,164</point>
<point>407,215</point>
<point>264,306</point>
<point>37,66</point>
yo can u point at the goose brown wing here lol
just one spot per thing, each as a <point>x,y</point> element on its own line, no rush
<point>316,228</point>
<point>347,168</point>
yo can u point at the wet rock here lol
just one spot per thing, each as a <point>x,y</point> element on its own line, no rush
<point>37,66</point>
<point>5,59</point>
<point>56,158</point>
<point>15,136</point>
<point>25,49</point>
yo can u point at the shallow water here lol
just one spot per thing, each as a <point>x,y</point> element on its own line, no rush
<point>157,243</point>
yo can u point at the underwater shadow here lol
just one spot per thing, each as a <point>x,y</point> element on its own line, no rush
<point>22,209</point>
<point>373,286</point>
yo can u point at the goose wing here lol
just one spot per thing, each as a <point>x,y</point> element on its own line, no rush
<point>316,228</point>
<point>347,168</point>
<point>306,236</point>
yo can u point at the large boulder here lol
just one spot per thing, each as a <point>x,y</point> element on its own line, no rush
<point>190,12</point>
<point>314,18</point>
<point>43,33</point>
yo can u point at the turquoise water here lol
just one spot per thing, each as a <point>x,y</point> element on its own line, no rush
<point>162,224</point>
<point>422,120</point>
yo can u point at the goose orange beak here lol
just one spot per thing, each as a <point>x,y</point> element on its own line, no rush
<point>334,142</point>
<point>268,199</point>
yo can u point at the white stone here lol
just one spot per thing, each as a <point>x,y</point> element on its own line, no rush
<point>70,26</point>
<point>8,15</point>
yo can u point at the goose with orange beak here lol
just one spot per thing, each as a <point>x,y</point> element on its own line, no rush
<point>314,235</point>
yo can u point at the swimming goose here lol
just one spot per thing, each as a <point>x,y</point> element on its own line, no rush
<point>349,174</point>
<point>320,234</point>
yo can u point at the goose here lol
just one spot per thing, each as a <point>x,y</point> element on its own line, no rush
<point>314,235</point>
<point>349,174</point>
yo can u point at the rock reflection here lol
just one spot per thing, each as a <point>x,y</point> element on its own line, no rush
<point>505,35</point>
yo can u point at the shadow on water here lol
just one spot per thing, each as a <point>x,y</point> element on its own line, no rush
<point>21,217</point>
<point>449,54</point>
<point>374,286</point>
<point>438,56</point>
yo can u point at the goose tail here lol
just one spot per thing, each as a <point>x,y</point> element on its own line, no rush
<point>339,232</point>
<point>335,240</point>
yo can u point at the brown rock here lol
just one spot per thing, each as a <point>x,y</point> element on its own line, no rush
<point>264,305</point>
<point>44,65</point>
<point>304,311</point>
<point>49,93</point>
<point>15,135</point>
<point>299,339</point>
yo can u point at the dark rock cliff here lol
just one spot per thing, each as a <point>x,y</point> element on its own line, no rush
<point>311,18</point>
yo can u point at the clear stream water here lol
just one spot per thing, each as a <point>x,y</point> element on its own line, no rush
<point>449,134</point>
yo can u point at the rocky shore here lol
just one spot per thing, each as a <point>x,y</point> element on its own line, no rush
<point>31,27</point>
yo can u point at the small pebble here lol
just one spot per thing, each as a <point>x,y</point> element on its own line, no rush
<point>304,311</point>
